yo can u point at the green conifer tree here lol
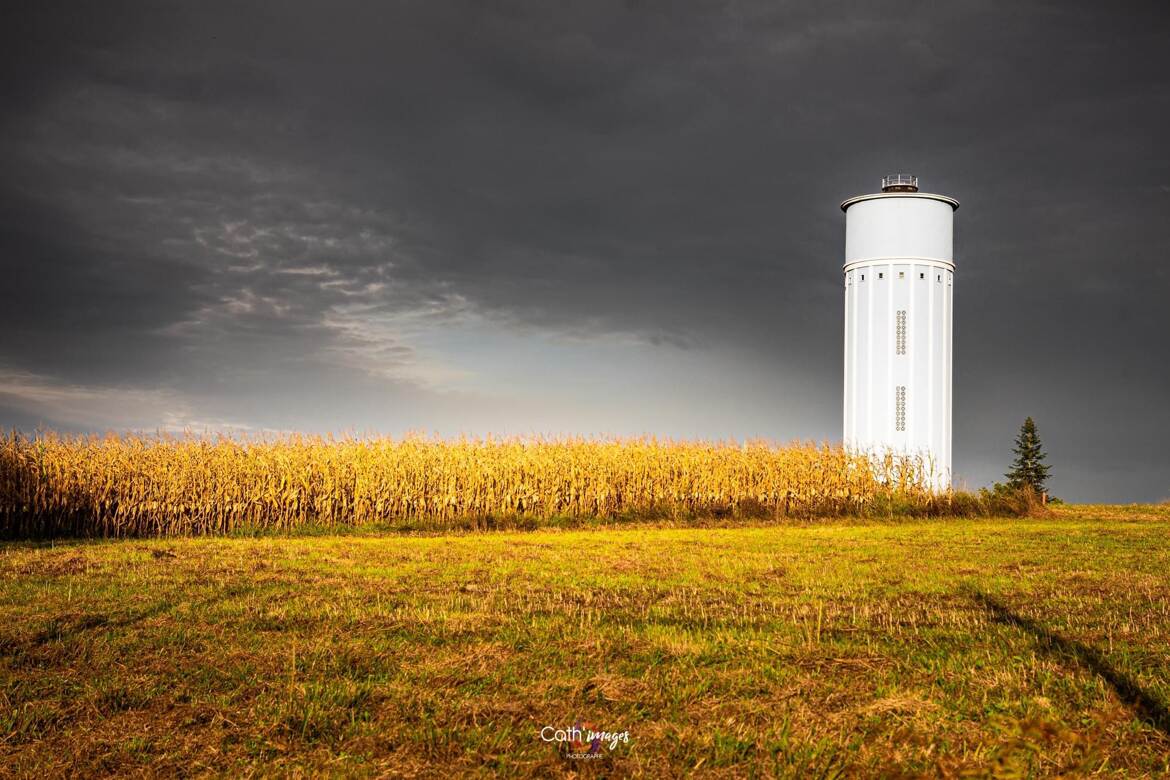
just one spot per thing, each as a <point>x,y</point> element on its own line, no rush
<point>1028,469</point>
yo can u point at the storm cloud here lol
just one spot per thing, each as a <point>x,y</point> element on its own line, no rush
<point>579,218</point>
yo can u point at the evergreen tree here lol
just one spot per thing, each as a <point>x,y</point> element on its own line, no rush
<point>1028,468</point>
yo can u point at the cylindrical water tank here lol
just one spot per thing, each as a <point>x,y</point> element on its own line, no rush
<point>899,283</point>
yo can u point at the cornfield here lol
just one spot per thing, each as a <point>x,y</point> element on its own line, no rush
<point>156,485</point>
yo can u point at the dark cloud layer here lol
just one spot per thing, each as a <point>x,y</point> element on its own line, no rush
<point>300,215</point>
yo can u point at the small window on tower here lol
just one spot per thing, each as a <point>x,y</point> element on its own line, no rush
<point>881,276</point>
<point>863,277</point>
<point>940,277</point>
<point>922,276</point>
<point>901,274</point>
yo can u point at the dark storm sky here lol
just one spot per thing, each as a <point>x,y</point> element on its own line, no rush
<point>582,217</point>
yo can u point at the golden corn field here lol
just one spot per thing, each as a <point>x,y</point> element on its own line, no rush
<point>153,485</point>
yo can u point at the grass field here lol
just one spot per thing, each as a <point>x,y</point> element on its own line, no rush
<point>1016,647</point>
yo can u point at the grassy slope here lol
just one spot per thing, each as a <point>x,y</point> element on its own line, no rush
<point>864,648</point>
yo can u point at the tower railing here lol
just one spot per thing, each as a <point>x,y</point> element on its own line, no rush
<point>899,180</point>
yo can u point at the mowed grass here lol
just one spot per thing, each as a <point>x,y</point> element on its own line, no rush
<point>1009,647</point>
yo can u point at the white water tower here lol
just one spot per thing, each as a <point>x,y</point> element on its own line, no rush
<point>899,278</point>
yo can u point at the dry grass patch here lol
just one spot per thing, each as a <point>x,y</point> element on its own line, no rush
<point>1037,647</point>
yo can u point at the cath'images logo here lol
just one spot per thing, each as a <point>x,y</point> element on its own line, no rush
<point>583,741</point>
